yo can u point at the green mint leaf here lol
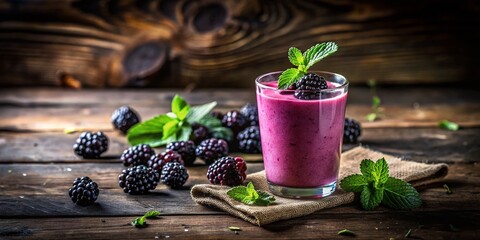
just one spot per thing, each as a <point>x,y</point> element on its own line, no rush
<point>447,125</point>
<point>170,128</point>
<point>151,214</point>
<point>366,168</point>
<point>210,121</point>
<point>318,52</point>
<point>400,194</point>
<point>371,117</point>
<point>241,194</point>
<point>221,133</point>
<point>264,199</point>
<point>196,113</point>
<point>447,189</point>
<point>138,222</point>
<point>180,107</point>
<point>375,102</point>
<point>289,77</point>
<point>353,183</point>
<point>371,197</point>
<point>184,133</point>
<point>295,56</point>
<point>148,132</point>
<point>346,232</point>
<point>251,191</point>
<point>380,171</point>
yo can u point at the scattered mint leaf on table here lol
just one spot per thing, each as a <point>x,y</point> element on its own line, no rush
<point>346,232</point>
<point>249,196</point>
<point>304,61</point>
<point>140,221</point>
<point>173,126</point>
<point>377,111</point>
<point>447,189</point>
<point>447,125</point>
<point>376,186</point>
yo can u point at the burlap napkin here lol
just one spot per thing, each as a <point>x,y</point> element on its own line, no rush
<point>286,208</point>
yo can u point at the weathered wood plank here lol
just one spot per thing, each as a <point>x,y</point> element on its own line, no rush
<point>55,110</point>
<point>421,145</point>
<point>393,225</point>
<point>41,190</point>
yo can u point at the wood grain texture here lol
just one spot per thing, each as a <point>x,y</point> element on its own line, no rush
<point>229,43</point>
<point>428,225</point>
<point>421,145</point>
<point>55,110</point>
<point>41,190</point>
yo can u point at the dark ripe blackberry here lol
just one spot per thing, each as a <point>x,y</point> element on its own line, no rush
<point>137,155</point>
<point>212,149</point>
<point>174,174</point>
<point>90,144</point>
<point>186,149</point>
<point>123,118</point>
<point>138,180</point>
<point>310,82</point>
<point>251,114</point>
<point>227,171</point>
<point>235,121</point>
<point>249,140</point>
<point>158,161</point>
<point>84,191</point>
<point>351,131</point>
<point>199,133</point>
<point>218,115</point>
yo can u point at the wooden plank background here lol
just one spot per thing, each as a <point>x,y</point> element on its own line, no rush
<point>217,43</point>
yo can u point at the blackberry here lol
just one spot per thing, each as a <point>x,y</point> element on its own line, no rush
<point>351,131</point>
<point>227,171</point>
<point>251,114</point>
<point>138,180</point>
<point>137,155</point>
<point>212,149</point>
<point>249,140</point>
<point>186,149</point>
<point>199,133</point>
<point>157,162</point>
<point>235,121</point>
<point>174,174</point>
<point>84,191</point>
<point>123,118</point>
<point>312,83</point>
<point>218,115</point>
<point>90,144</point>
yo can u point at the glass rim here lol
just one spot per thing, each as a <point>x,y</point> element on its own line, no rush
<point>258,83</point>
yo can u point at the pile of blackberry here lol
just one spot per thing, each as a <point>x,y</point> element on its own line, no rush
<point>158,161</point>
<point>212,149</point>
<point>138,180</point>
<point>174,174</point>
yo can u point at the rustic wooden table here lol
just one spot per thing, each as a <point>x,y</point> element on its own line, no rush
<point>37,166</point>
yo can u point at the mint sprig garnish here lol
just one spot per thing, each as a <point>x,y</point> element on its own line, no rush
<point>141,221</point>
<point>376,186</point>
<point>304,61</point>
<point>248,195</point>
<point>176,125</point>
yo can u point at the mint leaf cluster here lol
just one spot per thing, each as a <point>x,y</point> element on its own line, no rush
<point>176,125</point>
<point>141,221</point>
<point>248,195</point>
<point>304,61</point>
<point>376,186</point>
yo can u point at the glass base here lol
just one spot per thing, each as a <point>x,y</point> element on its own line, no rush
<point>293,192</point>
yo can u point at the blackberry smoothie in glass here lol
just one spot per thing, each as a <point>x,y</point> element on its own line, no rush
<point>302,129</point>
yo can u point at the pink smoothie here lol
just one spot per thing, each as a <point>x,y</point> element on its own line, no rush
<point>301,139</point>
